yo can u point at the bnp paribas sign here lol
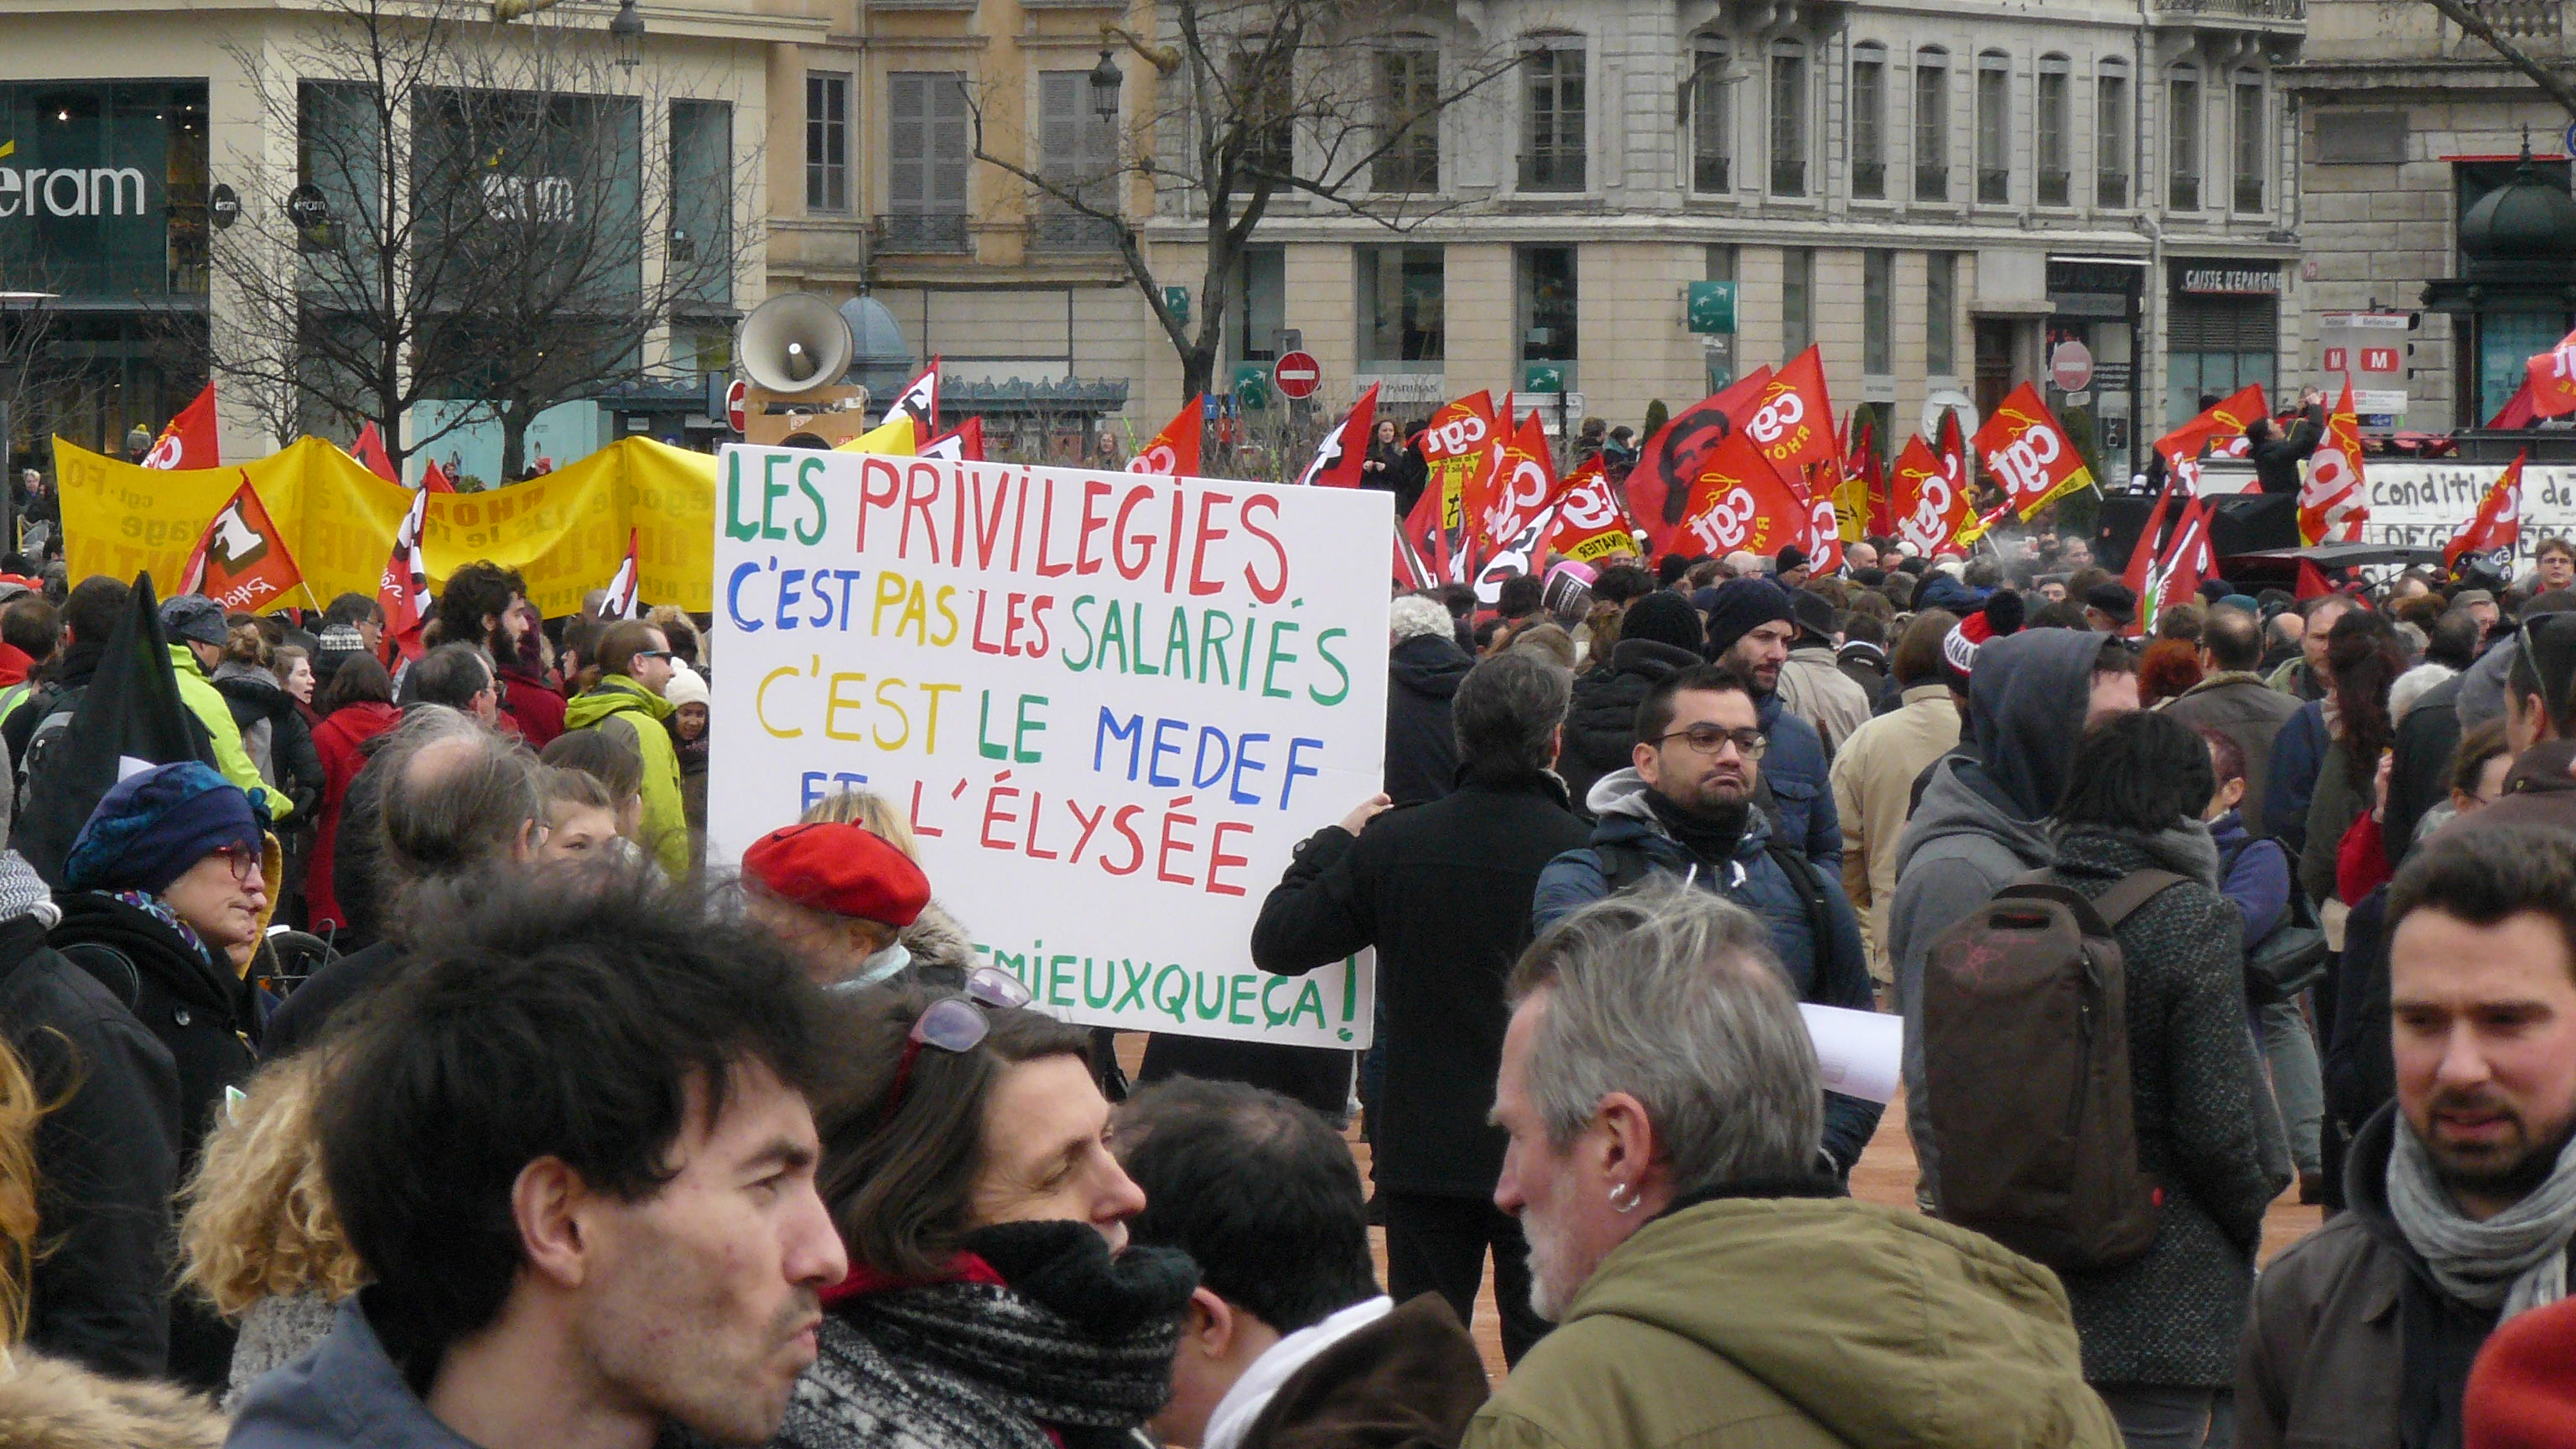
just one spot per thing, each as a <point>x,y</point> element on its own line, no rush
<point>69,191</point>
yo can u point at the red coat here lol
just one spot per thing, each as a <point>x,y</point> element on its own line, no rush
<point>337,740</point>
<point>533,707</point>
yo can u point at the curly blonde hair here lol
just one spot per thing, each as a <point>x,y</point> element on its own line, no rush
<point>259,1221</point>
<point>19,1219</point>
<point>869,811</point>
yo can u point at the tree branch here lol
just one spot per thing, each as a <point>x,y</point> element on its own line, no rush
<point>2549,81</point>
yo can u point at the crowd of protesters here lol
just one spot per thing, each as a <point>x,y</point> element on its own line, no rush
<point>396,1067</point>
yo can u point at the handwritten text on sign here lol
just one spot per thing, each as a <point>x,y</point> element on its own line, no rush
<point>1111,705</point>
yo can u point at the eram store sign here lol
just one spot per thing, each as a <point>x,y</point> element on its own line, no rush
<point>69,191</point>
<point>1110,705</point>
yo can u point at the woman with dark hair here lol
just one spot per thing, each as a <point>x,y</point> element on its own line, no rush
<point>992,1302</point>
<point>2362,662</point>
<point>356,708</point>
<point>273,731</point>
<point>2160,1331</point>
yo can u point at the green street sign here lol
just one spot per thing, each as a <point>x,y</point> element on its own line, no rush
<point>1712,307</point>
<point>1176,300</point>
<point>1252,384</point>
<point>1542,377</point>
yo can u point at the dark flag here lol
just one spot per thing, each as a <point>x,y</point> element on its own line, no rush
<point>131,711</point>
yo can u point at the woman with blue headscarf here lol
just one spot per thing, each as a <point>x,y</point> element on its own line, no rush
<point>163,900</point>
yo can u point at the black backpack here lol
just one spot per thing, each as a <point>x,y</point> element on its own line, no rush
<point>52,708</point>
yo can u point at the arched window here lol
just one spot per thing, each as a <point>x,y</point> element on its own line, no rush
<point>1553,111</point>
<point>2049,123</point>
<point>1708,102</point>
<point>1788,118</point>
<point>1994,128</point>
<point>2111,134</point>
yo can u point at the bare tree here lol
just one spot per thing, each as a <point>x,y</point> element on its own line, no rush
<point>1336,101</point>
<point>490,217</point>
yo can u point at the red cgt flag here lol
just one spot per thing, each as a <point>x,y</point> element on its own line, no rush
<point>1338,456</point>
<point>189,440</point>
<point>2149,547</point>
<point>1739,502</point>
<point>1174,452</point>
<point>1792,423</point>
<point>2551,377</point>
<point>2332,502</point>
<point>1463,445</point>
<point>2027,450</point>
<point>403,589</point>
<point>1589,526</point>
<point>241,560</point>
<point>1659,486</point>
<point>2219,427</point>
<point>2490,537</point>
<point>2176,577</point>
<point>1924,500</point>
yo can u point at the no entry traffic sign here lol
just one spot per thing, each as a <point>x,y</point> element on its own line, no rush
<point>1297,374</point>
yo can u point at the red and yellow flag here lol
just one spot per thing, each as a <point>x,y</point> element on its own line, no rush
<point>2027,450</point>
<point>241,560</point>
<point>1174,452</point>
<point>2490,537</point>
<point>2333,504</point>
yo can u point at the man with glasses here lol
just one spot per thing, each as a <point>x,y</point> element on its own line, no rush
<point>1684,808</point>
<point>2540,729</point>
<point>627,703</point>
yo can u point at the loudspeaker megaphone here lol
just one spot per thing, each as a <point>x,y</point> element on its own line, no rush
<point>794,348</point>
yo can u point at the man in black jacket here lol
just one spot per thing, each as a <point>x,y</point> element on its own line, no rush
<point>1423,667</point>
<point>2277,459</point>
<point>1443,892</point>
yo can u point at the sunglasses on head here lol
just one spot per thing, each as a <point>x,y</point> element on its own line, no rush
<point>954,1025</point>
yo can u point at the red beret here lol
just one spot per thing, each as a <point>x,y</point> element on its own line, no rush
<point>841,869</point>
<point>2523,1391</point>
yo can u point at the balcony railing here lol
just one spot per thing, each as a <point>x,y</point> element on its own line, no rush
<point>1553,168</point>
<point>1931,183</point>
<point>1069,231</point>
<point>2052,186</point>
<point>2249,193</point>
<point>1994,185</point>
<point>2183,194</point>
<point>2111,189</point>
<point>1712,173</point>
<point>2242,9</point>
<point>1788,176</point>
<point>1406,171</point>
<point>922,231</point>
<point>1869,180</point>
<point>2522,19</point>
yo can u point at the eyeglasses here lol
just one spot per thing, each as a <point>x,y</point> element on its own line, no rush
<point>1708,739</point>
<point>245,861</point>
<point>953,1025</point>
<point>655,654</point>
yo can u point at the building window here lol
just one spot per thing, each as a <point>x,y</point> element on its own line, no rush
<point>1408,108</point>
<point>1400,309</point>
<point>1931,125</point>
<point>2249,143</point>
<point>1260,306</point>
<point>1545,309</point>
<point>1877,312</point>
<point>925,162</point>
<point>700,254</point>
<point>2049,101</point>
<point>2182,92</point>
<point>1078,157</point>
<point>1797,301</point>
<point>1712,134</point>
<point>1552,96</point>
<point>1994,128</point>
<point>1269,109</point>
<point>827,141</point>
<point>1788,119</point>
<point>1941,314</point>
<point>2111,137</point>
<point>1869,122</point>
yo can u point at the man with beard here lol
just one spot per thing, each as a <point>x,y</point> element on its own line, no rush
<point>1750,626</point>
<point>2462,1190</point>
<point>1684,809</point>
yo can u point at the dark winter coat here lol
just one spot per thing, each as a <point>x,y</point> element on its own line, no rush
<point>1866,666</point>
<point>2277,458</point>
<point>1422,676</point>
<point>2208,1133</point>
<point>207,1017</point>
<point>301,1019</point>
<point>2250,714</point>
<point>107,1160</point>
<point>1443,892</point>
<point>1837,974</point>
<point>285,752</point>
<point>1794,770</point>
<point>2298,754</point>
<point>2421,776</point>
<point>345,1393</point>
<point>1601,721</point>
<point>2342,795</point>
<point>1411,1380</point>
<point>2538,790</point>
<point>2350,1342</point>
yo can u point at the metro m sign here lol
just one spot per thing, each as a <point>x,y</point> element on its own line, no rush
<point>2379,359</point>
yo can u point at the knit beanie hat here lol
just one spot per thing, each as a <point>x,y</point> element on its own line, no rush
<point>335,644</point>
<point>1665,618</point>
<point>686,686</point>
<point>156,824</point>
<point>2002,615</point>
<point>1742,606</point>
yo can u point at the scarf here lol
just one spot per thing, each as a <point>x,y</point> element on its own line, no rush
<point>1712,838</point>
<point>159,910</point>
<point>2514,1261</point>
<point>1243,1404</point>
<point>1069,1342</point>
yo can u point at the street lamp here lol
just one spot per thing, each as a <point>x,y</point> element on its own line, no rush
<point>627,31</point>
<point>1105,81</point>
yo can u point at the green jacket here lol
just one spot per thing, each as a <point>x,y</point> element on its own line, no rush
<point>636,714</point>
<point>205,701</point>
<point>1804,1323</point>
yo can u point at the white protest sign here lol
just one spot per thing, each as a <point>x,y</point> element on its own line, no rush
<point>2422,504</point>
<point>1109,704</point>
